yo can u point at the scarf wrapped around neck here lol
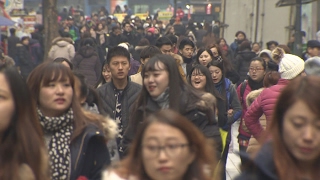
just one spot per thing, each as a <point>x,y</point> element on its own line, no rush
<point>60,129</point>
<point>163,99</point>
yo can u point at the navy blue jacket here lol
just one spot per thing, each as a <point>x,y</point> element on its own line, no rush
<point>89,154</point>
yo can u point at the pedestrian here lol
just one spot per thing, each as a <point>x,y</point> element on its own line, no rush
<point>267,57</point>
<point>243,59</point>
<point>256,48</point>
<point>164,88</point>
<point>230,72</point>
<point>312,66</point>
<point>227,91</point>
<point>271,45</point>
<point>290,67</point>
<point>186,152</point>
<point>13,40</point>
<point>5,60</point>
<point>240,37</point>
<point>87,61</point>
<point>105,75</point>
<point>22,149</point>
<point>24,57</point>
<point>75,139</point>
<point>186,50</point>
<point>225,48</point>
<point>293,152</point>
<point>145,55</point>
<point>119,95</point>
<point>257,71</point>
<point>62,47</point>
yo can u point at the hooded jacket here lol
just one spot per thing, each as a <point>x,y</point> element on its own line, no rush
<point>87,62</point>
<point>62,47</point>
<point>263,104</point>
<point>242,63</point>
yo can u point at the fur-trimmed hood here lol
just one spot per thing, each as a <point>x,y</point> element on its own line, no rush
<point>252,96</point>
<point>62,41</point>
<point>207,100</point>
<point>110,128</point>
<point>178,58</point>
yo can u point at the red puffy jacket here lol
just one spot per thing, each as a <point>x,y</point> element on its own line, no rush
<point>264,104</point>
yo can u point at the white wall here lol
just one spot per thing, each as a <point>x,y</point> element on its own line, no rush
<point>241,15</point>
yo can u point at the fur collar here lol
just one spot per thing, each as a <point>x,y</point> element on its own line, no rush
<point>253,95</point>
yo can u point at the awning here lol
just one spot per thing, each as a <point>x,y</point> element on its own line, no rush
<point>282,3</point>
<point>6,22</point>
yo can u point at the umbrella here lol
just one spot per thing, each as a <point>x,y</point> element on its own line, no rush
<point>6,22</point>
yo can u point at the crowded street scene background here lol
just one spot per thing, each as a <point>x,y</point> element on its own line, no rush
<point>141,92</point>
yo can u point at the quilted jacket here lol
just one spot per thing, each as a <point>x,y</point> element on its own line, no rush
<point>264,104</point>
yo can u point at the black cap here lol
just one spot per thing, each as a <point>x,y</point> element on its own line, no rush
<point>313,44</point>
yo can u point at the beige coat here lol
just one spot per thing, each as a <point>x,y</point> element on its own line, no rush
<point>62,47</point>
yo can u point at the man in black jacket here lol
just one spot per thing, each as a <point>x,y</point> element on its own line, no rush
<point>119,95</point>
<point>13,40</point>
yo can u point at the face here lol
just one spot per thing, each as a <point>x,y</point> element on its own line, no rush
<point>127,28</point>
<point>119,67</point>
<point>55,98</point>
<point>256,47</point>
<point>314,51</point>
<point>240,37</point>
<point>100,26</point>
<point>301,132</point>
<point>166,49</point>
<point>265,57</point>
<point>187,51</point>
<point>198,80</point>
<point>156,82</point>
<point>222,42</point>
<point>205,58</point>
<point>216,74</point>
<point>106,73</point>
<point>171,30</point>
<point>256,71</point>
<point>6,104</point>
<point>25,42</point>
<point>214,52</point>
<point>117,32</point>
<point>272,47</point>
<point>170,162</point>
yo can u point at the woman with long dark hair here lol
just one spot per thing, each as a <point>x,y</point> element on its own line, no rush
<point>76,139</point>
<point>22,150</point>
<point>164,88</point>
<point>204,56</point>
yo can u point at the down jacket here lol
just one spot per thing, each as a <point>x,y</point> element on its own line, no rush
<point>87,63</point>
<point>62,47</point>
<point>264,104</point>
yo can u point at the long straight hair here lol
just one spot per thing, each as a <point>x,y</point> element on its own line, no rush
<point>304,89</point>
<point>133,163</point>
<point>176,86</point>
<point>47,72</point>
<point>22,141</point>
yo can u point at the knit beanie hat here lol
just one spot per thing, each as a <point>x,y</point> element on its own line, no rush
<point>290,66</point>
<point>312,66</point>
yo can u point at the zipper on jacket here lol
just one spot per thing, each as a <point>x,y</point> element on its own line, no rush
<point>75,167</point>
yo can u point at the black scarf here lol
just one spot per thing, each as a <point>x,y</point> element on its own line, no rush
<point>254,85</point>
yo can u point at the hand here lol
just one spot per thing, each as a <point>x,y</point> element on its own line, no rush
<point>230,112</point>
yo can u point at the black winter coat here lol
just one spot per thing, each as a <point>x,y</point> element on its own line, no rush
<point>242,63</point>
<point>196,116</point>
<point>87,62</point>
<point>107,92</point>
<point>25,60</point>
<point>89,154</point>
<point>260,168</point>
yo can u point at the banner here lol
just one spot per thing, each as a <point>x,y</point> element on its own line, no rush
<point>164,15</point>
<point>120,17</point>
<point>142,16</point>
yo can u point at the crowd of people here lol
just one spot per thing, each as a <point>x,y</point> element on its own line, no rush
<point>144,100</point>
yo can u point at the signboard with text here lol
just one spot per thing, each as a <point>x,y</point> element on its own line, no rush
<point>164,15</point>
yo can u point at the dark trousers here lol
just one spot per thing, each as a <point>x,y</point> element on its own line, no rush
<point>243,150</point>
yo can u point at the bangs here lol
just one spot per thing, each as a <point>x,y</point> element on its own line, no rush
<point>153,66</point>
<point>196,71</point>
<point>57,73</point>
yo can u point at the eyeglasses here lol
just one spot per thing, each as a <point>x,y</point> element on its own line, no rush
<point>255,69</point>
<point>200,75</point>
<point>171,150</point>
